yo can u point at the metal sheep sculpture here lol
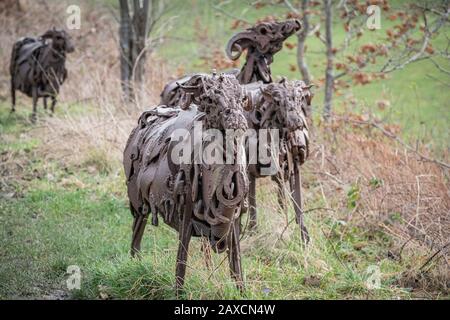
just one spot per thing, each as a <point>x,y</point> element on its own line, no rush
<point>196,197</point>
<point>37,67</point>
<point>279,107</point>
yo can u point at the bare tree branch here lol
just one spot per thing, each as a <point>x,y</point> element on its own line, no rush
<point>428,33</point>
<point>329,79</point>
<point>301,37</point>
<point>439,66</point>
<point>221,10</point>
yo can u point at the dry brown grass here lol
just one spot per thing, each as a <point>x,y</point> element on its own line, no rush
<point>395,191</point>
<point>93,83</point>
<point>389,178</point>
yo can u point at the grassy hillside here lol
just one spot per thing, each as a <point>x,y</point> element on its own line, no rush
<point>56,212</point>
<point>369,203</point>
<point>54,216</point>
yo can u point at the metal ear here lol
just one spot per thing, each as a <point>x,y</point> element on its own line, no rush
<point>283,81</point>
<point>48,34</point>
<point>188,89</point>
<point>193,92</point>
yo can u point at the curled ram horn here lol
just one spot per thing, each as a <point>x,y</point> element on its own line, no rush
<point>239,42</point>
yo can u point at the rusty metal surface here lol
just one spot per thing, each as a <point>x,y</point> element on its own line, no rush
<point>261,43</point>
<point>37,66</point>
<point>282,106</point>
<point>196,199</point>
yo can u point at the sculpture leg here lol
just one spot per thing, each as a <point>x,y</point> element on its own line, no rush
<point>13,97</point>
<point>252,202</point>
<point>182,255</point>
<point>53,104</point>
<point>139,223</point>
<point>297,199</point>
<point>44,99</point>
<point>35,99</point>
<point>234,255</point>
<point>185,233</point>
<point>280,191</point>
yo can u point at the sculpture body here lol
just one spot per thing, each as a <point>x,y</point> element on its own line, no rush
<point>196,198</point>
<point>37,67</point>
<point>281,106</point>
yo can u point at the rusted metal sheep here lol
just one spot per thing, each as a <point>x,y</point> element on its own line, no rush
<point>283,106</point>
<point>37,67</point>
<point>196,198</point>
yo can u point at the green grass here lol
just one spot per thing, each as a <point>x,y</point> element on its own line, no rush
<point>51,228</point>
<point>76,218</point>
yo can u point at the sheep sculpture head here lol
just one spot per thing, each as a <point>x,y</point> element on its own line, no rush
<point>283,106</point>
<point>261,42</point>
<point>61,40</point>
<point>221,98</point>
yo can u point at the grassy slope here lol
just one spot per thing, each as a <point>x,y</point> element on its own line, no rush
<point>54,216</point>
<point>421,105</point>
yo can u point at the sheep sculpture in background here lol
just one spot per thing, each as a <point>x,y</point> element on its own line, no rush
<point>37,67</point>
<point>198,197</point>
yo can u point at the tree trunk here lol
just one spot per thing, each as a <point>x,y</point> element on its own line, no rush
<point>301,62</point>
<point>134,28</point>
<point>329,79</point>
<point>125,33</point>
<point>140,25</point>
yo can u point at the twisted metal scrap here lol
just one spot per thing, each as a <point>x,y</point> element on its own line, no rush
<point>282,106</point>
<point>196,199</point>
<point>37,68</point>
<point>261,42</point>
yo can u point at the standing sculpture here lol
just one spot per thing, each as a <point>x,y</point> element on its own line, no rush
<point>37,67</point>
<point>198,197</point>
<point>281,106</point>
<point>261,43</point>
